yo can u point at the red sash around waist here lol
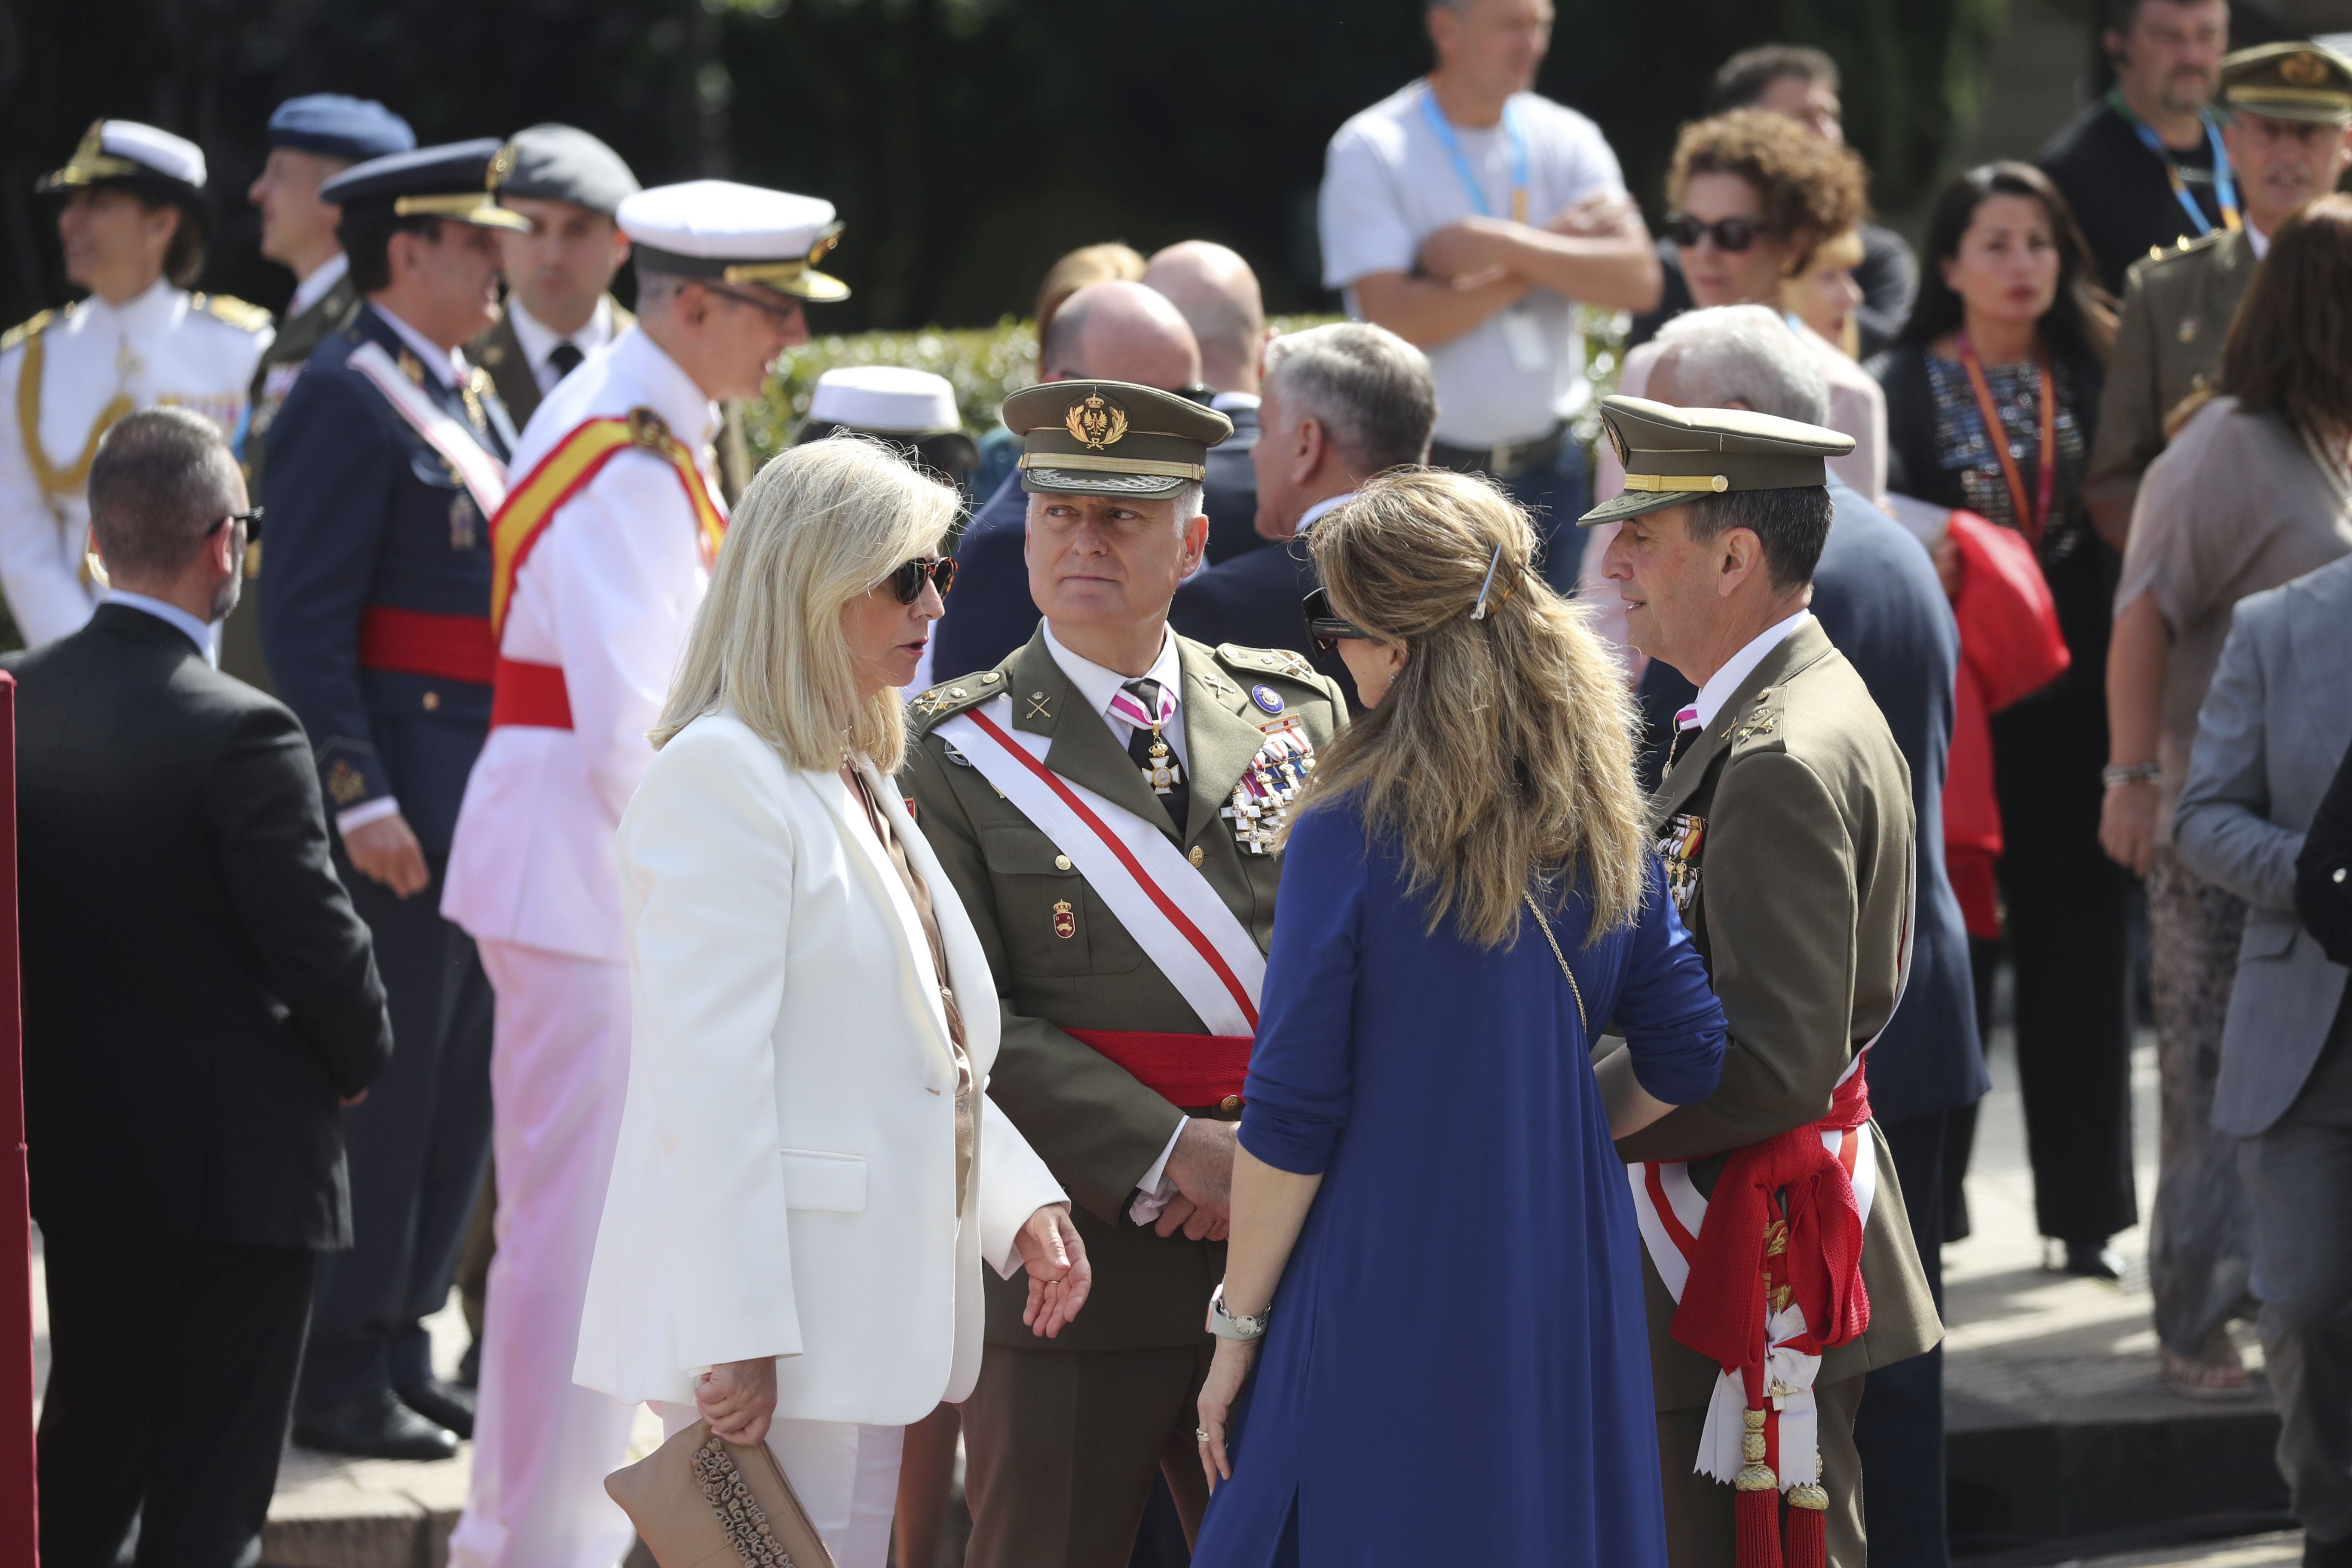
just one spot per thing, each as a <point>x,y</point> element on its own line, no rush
<point>533,695</point>
<point>1182,1069</point>
<point>421,642</point>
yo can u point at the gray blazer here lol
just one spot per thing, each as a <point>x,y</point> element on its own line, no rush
<point>2275,723</point>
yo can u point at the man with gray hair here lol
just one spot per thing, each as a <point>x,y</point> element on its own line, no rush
<point>1876,594</point>
<point>1217,294</point>
<point>198,996</point>
<point>1341,402</point>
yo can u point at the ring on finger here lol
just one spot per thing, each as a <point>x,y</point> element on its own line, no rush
<point>1201,1433</point>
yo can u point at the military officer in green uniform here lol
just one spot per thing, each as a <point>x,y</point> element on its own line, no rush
<point>1785,822</point>
<point>311,139</point>
<point>1104,801</point>
<point>2289,106</point>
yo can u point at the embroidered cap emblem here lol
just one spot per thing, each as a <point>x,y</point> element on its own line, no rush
<point>1065,921</point>
<point>1097,421</point>
<point>2302,70</point>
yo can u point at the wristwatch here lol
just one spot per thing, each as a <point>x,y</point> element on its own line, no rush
<point>2116,773</point>
<point>1225,1326</point>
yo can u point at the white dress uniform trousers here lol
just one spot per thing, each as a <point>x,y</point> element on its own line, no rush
<point>608,593</point>
<point>80,370</point>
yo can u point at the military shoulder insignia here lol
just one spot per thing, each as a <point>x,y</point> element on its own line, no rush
<point>1285,662</point>
<point>23,330</point>
<point>1762,719</point>
<point>239,314</point>
<point>953,696</point>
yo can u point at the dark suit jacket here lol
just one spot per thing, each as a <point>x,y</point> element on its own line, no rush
<point>1253,601</point>
<point>197,989</point>
<point>991,613</point>
<point>1229,495</point>
<point>1876,594</point>
<point>363,514</point>
<point>499,351</point>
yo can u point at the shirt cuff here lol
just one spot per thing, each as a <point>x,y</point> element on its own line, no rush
<point>1152,1192</point>
<point>367,811</point>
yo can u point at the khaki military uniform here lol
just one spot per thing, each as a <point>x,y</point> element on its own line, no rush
<point>2177,306</point>
<point>1063,1435</point>
<point>1786,831</point>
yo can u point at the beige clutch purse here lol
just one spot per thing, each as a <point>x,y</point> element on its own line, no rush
<point>699,1501</point>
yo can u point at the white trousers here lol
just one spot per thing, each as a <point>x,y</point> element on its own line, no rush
<point>543,1444</point>
<point>845,1474</point>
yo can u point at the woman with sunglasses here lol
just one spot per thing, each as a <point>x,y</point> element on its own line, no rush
<point>1432,1229</point>
<point>810,1173</point>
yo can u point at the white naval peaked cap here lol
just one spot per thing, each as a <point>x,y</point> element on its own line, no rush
<point>887,399</point>
<point>127,150</point>
<point>739,234</point>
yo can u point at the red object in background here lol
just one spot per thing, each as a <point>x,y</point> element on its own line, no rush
<point>19,1545</point>
<point>2011,647</point>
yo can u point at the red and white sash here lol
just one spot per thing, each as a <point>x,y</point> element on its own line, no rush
<point>484,476</point>
<point>1159,895</point>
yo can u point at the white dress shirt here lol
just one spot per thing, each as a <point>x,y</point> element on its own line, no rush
<point>1721,686</point>
<point>540,341</point>
<point>158,348</point>
<point>1314,514</point>
<point>608,594</point>
<point>313,288</point>
<point>1099,685</point>
<point>196,631</point>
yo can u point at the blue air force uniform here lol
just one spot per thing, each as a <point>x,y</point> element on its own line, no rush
<point>374,617</point>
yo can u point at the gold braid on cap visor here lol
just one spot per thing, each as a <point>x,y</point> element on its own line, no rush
<point>1715,483</point>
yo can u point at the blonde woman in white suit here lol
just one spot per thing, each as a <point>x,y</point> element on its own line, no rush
<point>810,1175</point>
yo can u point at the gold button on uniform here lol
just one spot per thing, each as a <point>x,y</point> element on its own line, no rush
<point>432,700</point>
<point>1198,856</point>
<point>1061,862</point>
<point>1230,1104</point>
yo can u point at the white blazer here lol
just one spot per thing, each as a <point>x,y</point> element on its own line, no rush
<point>785,1183</point>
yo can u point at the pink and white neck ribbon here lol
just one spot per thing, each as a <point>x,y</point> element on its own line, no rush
<point>1128,706</point>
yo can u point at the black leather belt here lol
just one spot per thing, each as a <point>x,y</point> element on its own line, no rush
<point>1503,457</point>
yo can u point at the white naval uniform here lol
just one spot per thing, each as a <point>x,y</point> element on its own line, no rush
<point>608,593</point>
<point>164,347</point>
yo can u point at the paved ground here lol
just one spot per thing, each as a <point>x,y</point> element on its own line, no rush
<point>2028,1351</point>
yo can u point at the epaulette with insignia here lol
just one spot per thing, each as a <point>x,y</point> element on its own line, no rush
<point>237,313</point>
<point>1762,720</point>
<point>23,330</point>
<point>953,696</point>
<point>1285,662</point>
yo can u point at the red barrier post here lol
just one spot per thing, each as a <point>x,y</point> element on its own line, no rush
<point>19,1539</point>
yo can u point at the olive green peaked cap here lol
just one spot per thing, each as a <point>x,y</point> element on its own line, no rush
<point>1111,439</point>
<point>1675,454</point>
<point>2290,81</point>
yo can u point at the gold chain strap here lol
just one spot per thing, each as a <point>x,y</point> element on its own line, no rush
<point>1574,988</point>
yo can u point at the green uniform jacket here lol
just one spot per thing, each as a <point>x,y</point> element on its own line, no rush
<point>1802,888</point>
<point>273,378</point>
<point>2177,306</point>
<point>1097,1126</point>
<point>499,351</point>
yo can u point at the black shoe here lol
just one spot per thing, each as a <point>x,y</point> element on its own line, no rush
<point>2319,1554</point>
<point>469,1367</point>
<point>374,1426</point>
<point>2094,1261</point>
<point>444,1403</point>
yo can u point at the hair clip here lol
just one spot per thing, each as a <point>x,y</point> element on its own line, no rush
<point>1478,610</point>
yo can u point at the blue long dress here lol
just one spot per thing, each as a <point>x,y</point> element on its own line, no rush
<point>1458,1368</point>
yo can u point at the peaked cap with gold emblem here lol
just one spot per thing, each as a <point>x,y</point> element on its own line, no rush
<point>455,180</point>
<point>2290,81</point>
<point>1676,455</point>
<point>1111,439</point>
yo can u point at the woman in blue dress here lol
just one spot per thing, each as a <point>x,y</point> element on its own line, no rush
<point>1431,1229</point>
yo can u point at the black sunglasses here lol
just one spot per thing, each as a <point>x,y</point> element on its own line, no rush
<point>251,518</point>
<point>1732,234</point>
<point>777,307</point>
<point>1327,629</point>
<point>907,581</point>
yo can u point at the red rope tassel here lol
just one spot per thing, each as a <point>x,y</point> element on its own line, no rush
<point>1759,1508</point>
<point>1808,1516</point>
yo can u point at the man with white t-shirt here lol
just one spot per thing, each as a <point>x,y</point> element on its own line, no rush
<point>1468,215</point>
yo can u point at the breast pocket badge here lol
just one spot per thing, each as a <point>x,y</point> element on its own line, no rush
<point>1066,919</point>
<point>1679,848</point>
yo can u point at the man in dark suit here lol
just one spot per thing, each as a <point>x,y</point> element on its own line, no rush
<point>389,462</point>
<point>1218,295</point>
<point>198,995</point>
<point>1104,332</point>
<point>1341,402</point>
<point>560,305</point>
<point>1876,594</point>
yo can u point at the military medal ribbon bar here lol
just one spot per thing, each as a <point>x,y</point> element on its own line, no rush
<point>1149,885</point>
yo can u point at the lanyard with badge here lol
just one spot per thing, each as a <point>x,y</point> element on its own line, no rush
<point>2031,522</point>
<point>2225,187</point>
<point>1523,334</point>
